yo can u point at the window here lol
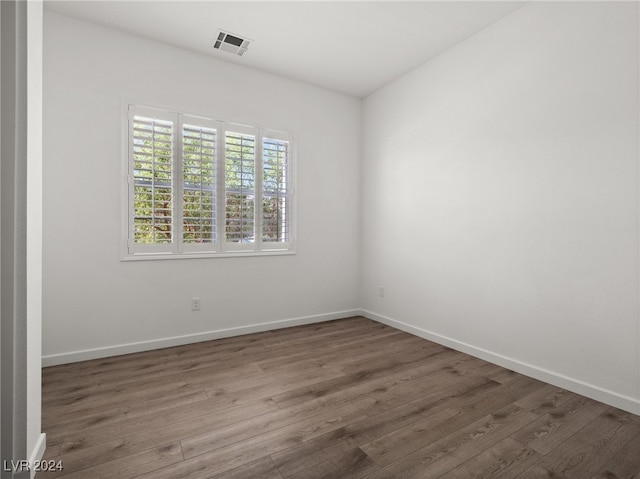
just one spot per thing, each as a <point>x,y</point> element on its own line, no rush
<point>202,186</point>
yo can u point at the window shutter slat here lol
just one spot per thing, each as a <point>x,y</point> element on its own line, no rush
<point>239,187</point>
<point>152,180</point>
<point>198,184</point>
<point>275,194</point>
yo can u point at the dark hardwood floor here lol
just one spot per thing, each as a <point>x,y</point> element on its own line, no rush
<point>342,399</point>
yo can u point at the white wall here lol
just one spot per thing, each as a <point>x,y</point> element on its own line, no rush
<point>92,300</point>
<point>500,197</point>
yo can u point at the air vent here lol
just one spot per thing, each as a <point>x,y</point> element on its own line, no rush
<point>232,43</point>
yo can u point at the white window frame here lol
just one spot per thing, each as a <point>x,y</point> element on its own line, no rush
<point>220,247</point>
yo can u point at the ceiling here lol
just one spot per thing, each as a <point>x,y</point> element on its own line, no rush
<point>354,47</point>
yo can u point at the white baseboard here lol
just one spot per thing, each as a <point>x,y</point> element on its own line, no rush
<point>626,403</point>
<point>96,353</point>
<point>38,452</point>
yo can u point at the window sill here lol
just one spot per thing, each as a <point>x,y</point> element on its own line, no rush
<point>201,255</point>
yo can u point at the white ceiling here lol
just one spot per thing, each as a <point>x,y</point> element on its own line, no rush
<point>354,47</point>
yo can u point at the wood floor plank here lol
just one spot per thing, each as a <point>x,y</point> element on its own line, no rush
<point>61,428</point>
<point>371,379</point>
<point>199,465</point>
<point>210,413</point>
<point>78,455</point>
<point>588,451</point>
<point>344,399</point>
<point>135,465</point>
<point>309,424</point>
<point>545,399</point>
<point>446,395</point>
<point>358,350</point>
<point>312,410</point>
<point>506,460</point>
<point>196,378</point>
<point>447,453</point>
<point>132,365</point>
<point>443,417</point>
<point>76,459</point>
<point>263,468</point>
<point>625,464</point>
<point>297,460</point>
<point>400,443</point>
<point>182,359</point>
<point>559,424</point>
<point>340,443</point>
<point>349,463</point>
<point>51,451</point>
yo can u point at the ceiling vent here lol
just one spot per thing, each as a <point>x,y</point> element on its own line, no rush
<point>232,43</point>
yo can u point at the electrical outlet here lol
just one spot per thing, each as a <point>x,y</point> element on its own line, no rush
<point>195,304</point>
<point>381,291</point>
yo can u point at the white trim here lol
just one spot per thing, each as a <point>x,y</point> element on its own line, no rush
<point>258,174</point>
<point>126,219</point>
<point>177,165</point>
<point>221,163</point>
<point>612,398</point>
<point>638,265</point>
<point>38,452</point>
<point>96,353</point>
<point>230,127</point>
<point>213,254</point>
<point>182,109</point>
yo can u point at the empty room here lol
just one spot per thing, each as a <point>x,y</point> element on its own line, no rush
<point>299,240</point>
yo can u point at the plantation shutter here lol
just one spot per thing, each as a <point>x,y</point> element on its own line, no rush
<point>199,150</point>
<point>201,186</point>
<point>276,196</point>
<point>240,183</point>
<point>151,185</point>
